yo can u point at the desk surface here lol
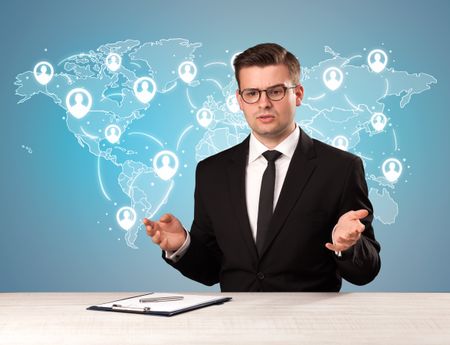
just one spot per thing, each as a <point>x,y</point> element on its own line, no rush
<point>250,318</point>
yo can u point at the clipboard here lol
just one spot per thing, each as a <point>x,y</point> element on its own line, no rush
<point>165,304</point>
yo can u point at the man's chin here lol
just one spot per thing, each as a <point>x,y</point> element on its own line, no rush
<point>271,132</point>
<point>267,133</point>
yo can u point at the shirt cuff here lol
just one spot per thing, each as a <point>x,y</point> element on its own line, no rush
<point>175,256</point>
<point>338,253</point>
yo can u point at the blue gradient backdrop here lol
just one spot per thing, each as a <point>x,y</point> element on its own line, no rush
<point>51,200</point>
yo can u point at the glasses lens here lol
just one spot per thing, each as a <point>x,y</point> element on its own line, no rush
<point>250,95</point>
<point>276,93</point>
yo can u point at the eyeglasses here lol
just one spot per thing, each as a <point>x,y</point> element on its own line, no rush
<point>275,93</point>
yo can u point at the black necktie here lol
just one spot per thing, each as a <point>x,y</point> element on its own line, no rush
<point>265,209</point>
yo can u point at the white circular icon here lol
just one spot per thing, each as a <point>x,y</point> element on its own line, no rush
<point>340,142</point>
<point>113,133</point>
<point>187,71</point>
<point>43,72</point>
<point>377,60</point>
<point>204,117</point>
<point>392,169</point>
<point>126,217</point>
<point>233,58</point>
<point>81,103</point>
<point>165,164</point>
<point>232,104</point>
<point>333,78</point>
<point>378,121</point>
<point>113,61</point>
<point>144,89</point>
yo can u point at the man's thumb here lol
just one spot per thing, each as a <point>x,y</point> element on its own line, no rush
<point>361,214</point>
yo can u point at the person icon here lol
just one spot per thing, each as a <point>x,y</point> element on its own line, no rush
<point>113,61</point>
<point>126,217</point>
<point>374,60</point>
<point>165,171</point>
<point>333,78</point>
<point>392,169</point>
<point>340,142</point>
<point>232,104</point>
<point>378,121</point>
<point>234,58</point>
<point>204,117</point>
<point>82,104</point>
<point>43,72</point>
<point>43,77</point>
<point>113,133</point>
<point>144,89</point>
<point>187,71</point>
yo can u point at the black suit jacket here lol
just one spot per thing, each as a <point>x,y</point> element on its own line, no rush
<point>321,184</point>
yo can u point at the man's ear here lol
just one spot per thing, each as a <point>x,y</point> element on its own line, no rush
<point>298,94</point>
<point>239,98</point>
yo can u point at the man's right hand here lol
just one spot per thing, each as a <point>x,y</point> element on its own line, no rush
<point>168,232</point>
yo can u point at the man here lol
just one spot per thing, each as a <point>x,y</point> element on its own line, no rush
<point>280,211</point>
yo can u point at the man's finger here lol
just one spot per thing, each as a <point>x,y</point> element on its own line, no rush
<point>350,235</point>
<point>150,227</point>
<point>166,218</point>
<point>150,231</point>
<point>354,233</point>
<point>164,245</point>
<point>348,216</point>
<point>157,238</point>
<point>332,247</point>
<point>361,227</point>
<point>354,236</point>
<point>354,227</point>
<point>344,241</point>
<point>148,223</point>
<point>353,215</point>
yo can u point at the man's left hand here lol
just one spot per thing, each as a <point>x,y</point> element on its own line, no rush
<point>347,230</point>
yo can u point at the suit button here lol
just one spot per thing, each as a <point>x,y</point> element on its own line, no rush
<point>260,275</point>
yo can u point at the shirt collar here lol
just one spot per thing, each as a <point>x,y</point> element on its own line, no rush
<point>286,147</point>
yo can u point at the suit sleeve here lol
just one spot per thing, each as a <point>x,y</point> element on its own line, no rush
<point>202,260</point>
<point>361,263</point>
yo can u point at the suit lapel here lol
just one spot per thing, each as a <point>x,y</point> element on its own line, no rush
<point>236,178</point>
<point>300,170</point>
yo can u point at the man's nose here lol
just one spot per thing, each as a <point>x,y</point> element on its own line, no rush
<point>264,101</point>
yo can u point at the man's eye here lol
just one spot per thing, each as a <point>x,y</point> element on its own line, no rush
<point>276,92</point>
<point>251,93</point>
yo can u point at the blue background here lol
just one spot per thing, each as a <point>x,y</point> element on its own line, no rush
<point>51,201</point>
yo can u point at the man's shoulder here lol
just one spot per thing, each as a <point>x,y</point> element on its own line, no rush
<point>223,158</point>
<point>331,153</point>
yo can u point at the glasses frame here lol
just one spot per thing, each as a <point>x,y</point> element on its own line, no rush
<point>285,88</point>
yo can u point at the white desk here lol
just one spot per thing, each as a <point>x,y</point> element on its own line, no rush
<point>250,318</point>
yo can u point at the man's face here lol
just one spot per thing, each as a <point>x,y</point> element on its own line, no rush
<point>271,121</point>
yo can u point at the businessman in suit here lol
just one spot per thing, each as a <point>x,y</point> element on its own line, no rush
<point>279,211</point>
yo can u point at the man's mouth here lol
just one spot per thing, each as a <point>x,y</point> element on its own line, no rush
<point>265,116</point>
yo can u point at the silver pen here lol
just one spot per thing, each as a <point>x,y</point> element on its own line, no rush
<point>125,308</point>
<point>161,299</point>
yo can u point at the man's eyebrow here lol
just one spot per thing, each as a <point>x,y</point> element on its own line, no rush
<point>255,88</point>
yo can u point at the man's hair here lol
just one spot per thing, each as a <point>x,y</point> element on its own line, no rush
<point>267,54</point>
